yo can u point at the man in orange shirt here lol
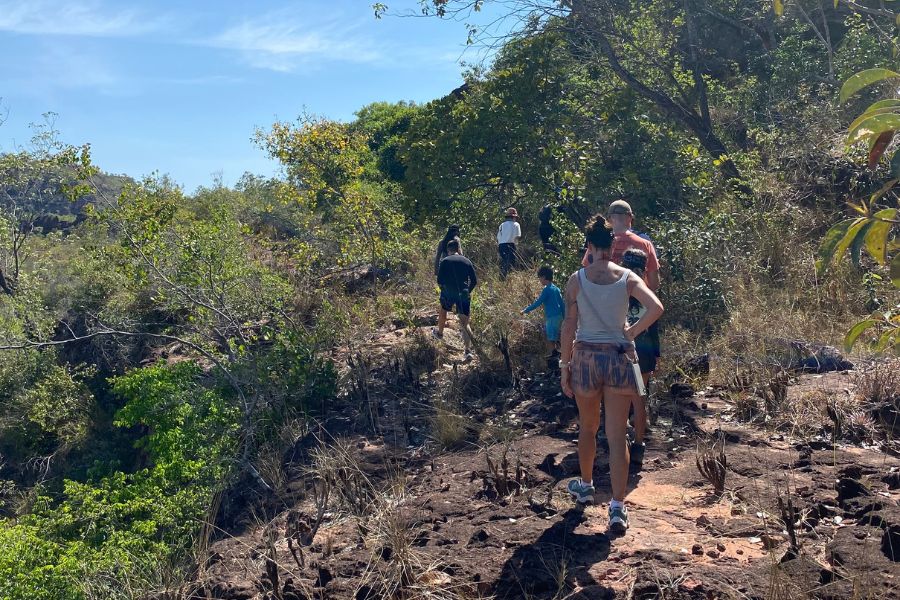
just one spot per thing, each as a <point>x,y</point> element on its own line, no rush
<point>621,217</point>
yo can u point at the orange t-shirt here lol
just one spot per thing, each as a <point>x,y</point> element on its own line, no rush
<point>626,241</point>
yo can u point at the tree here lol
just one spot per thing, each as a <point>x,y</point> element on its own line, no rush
<point>350,206</point>
<point>652,47</point>
<point>31,184</point>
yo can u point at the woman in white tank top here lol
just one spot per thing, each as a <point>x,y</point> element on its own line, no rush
<point>597,348</point>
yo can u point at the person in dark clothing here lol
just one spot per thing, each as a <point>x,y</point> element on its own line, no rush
<point>457,279</point>
<point>452,234</point>
<point>647,348</point>
<point>546,229</point>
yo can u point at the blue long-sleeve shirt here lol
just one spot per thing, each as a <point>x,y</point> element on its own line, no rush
<point>552,300</point>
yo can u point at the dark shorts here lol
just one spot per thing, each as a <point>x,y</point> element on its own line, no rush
<point>460,300</point>
<point>647,347</point>
<point>596,366</point>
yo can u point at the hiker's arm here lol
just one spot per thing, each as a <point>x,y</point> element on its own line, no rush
<point>442,274</point>
<point>567,333</point>
<point>570,322</point>
<point>639,290</point>
<point>473,279</point>
<point>652,269</point>
<point>534,305</point>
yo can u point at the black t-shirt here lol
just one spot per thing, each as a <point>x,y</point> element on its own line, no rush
<point>457,274</point>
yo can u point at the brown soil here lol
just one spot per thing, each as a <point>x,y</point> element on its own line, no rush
<point>462,531</point>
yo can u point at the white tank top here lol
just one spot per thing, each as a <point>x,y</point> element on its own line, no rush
<point>602,309</point>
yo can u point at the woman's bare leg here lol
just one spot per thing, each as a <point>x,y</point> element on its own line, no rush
<point>589,407</point>
<point>617,401</point>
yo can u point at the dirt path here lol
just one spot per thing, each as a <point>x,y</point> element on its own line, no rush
<point>451,526</point>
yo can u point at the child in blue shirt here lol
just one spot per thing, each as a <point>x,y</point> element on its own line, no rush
<point>554,309</point>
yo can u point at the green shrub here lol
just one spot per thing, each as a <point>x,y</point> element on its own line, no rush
<point>119,526</point>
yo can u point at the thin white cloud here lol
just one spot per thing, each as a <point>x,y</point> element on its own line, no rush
<point>280,43</point>
<point>74,18</point>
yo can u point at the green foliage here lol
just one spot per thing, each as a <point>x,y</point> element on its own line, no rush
<point>385,125</point>
<point>350,209</point>
<point>497,141</point>
<point>45,408</point>
<point>191,427</point>
<point>33,568</point>
<point>877,125</point>
<point>116,526</point>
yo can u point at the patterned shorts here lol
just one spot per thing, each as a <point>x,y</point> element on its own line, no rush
<point>595,366</point>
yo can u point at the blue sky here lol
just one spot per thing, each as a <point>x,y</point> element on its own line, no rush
<point>180,87</point>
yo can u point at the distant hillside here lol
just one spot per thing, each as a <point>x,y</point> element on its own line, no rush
<point>41,194</point>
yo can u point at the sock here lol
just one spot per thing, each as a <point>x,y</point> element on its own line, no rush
<point>614,504</point>
<point>591,482</point>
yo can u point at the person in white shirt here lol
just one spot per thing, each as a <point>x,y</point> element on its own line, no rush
<point>508,235</point>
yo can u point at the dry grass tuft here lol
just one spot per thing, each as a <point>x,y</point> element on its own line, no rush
<point>712,463</point>
<point>449,428</point>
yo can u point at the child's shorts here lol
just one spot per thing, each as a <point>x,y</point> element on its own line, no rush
<point>552,327</point>
<point>595,366</point>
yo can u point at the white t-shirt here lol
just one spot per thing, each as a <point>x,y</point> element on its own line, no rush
<point>509,232</point>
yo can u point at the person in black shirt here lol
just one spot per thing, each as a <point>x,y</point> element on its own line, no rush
<point>457,279</point>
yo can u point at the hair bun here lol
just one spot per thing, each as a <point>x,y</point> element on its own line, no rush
<point>599,232</point>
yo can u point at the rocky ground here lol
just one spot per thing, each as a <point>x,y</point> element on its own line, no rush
<point>799,518</point>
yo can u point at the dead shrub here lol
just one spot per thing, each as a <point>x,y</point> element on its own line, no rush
<point>878,387</point>
<point>420,355</point>
<point>342,475</point>
<point>503,478</point>
<point>712,463</point>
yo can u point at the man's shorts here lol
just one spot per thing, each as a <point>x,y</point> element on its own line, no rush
<point>596,366</point>
<point>460,300</point>
<point>552,326</point>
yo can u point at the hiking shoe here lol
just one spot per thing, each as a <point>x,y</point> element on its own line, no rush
<point>582,492</point>
<point>637,453</point>
<point>618,520</point>
<point>436,334</point>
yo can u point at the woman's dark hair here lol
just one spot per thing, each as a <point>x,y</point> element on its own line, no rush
<point>546,272</point>
<point>452,232</point>
<point>599,232</point>
<point>453,246</point>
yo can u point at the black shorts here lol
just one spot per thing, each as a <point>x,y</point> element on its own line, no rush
<point>460,300</point>
<point>647,347</point>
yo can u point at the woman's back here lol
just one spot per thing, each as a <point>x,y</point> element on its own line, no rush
<point>602,306</point>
